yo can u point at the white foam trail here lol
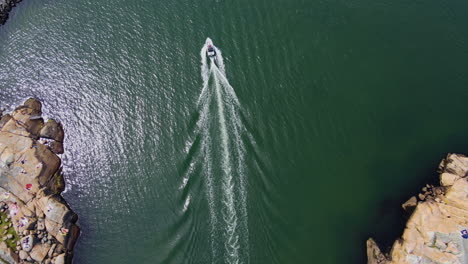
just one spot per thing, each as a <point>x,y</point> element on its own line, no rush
<point>204,66</point>
<point>230,214</point>
<point>235,130</point>
<point>233,224</point>
<point>220,60</point>
<point>227,86</point>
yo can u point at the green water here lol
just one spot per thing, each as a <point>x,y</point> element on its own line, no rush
<point>345,110</point>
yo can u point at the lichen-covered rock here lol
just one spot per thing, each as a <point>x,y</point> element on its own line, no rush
<point>437,231</point>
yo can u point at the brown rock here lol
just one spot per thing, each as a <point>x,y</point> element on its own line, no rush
<point>50,254</point>
<point>56,147</point>
<point>53,130</point>
<point>4,120</point>
<point>36,165</point>
<point>410,204</point>
<point>33,104</point>
<point>50,161</point>
<point>39,252</point>
<point>40,224</point>
<point>433,233</point>
<point>374,255</point>
<point>421,197</point>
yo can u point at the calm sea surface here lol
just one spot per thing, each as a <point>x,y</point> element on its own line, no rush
<point>336,113</point>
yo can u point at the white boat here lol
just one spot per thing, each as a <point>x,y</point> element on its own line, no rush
<point>210,48</point>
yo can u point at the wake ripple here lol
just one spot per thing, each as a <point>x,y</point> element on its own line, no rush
<point>223,149</point>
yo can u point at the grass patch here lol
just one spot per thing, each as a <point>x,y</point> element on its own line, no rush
<point>11,243</point>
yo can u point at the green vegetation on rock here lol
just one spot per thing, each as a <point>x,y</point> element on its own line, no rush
<point>11,243</point>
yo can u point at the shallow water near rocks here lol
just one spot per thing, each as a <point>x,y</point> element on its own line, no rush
<point>346,109</point>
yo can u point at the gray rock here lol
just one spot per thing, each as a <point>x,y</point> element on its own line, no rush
<point>23,254</point>
<point>60,259</point>
<point>27,243</point>
<point>7,254</point>
<point>6,158</point>
<point>9,236</point>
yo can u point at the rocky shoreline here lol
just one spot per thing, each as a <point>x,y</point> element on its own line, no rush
<point>5,8</point>
<point>437,230</point>
<point>36,224</point>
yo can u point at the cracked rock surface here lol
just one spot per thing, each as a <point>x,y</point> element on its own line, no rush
<point>30,185</point>
<point>435,232</point>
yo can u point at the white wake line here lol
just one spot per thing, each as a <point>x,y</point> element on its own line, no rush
<point>228,86</point>
<point>227,105</point>
<point>228,196</point>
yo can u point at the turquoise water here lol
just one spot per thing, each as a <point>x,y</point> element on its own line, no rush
<point>345,109</point>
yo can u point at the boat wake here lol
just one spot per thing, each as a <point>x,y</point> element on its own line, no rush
<point>220,129</point>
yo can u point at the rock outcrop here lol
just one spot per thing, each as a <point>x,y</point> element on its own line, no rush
<point>5,8</point>
<point>437,231</point>
<point>37,224</point>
